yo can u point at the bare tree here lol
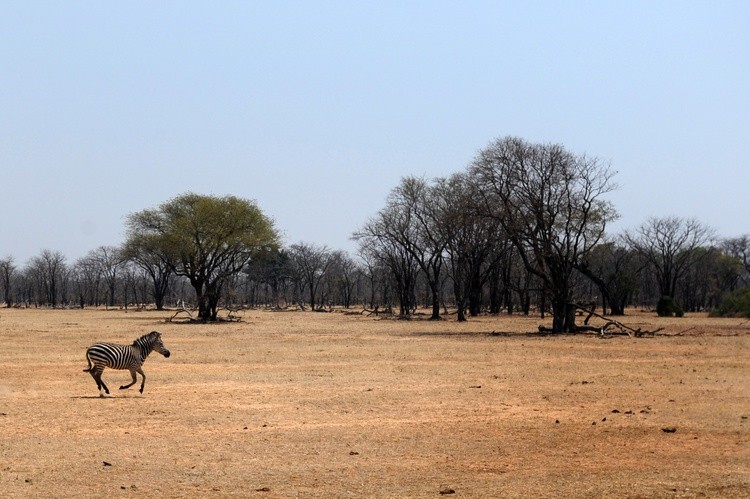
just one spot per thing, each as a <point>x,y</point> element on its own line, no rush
<point>739,247</point>
<point>271,269</point>
<point>377,274</point>
<point>549,202</point>
<point>612,267</point>
<point>86,279</point>
<point>47,272</point>
<point>384,238</point>
<point>471,241</point>
<point>670,245</point>
<point>145,251</point>
<point>345,275</point>
<point>7,269</point>
<point>311,264</point>
<point>109,260</point>
<point>410,220</point>
<point>424,238</point>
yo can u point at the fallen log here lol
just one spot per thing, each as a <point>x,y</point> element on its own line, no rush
<point>607,328</point>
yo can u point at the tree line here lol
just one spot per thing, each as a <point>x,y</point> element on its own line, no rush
<point>521,229</point>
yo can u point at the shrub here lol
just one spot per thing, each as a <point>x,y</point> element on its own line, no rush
<point>734,304</point>
<point>666,307</point>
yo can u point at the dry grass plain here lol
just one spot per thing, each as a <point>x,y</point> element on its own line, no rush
<point>295,404</point>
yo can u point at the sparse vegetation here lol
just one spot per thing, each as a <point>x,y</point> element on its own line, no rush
<point>734,304</point>
<point>309,404</point>
<point>666,307</point>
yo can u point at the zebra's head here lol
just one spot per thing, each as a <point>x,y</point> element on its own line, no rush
<point>158,345</point>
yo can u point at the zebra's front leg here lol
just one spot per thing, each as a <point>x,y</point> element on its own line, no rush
<point>143,375</point>
<point>125,387</point>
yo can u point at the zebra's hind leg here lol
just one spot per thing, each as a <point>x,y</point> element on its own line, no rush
<point>96,373</point>
<point>125,387</point>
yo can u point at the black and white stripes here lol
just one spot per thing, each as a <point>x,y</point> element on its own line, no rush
<point>131,357</point>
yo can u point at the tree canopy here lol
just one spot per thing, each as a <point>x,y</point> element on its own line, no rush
<point>206,239</point>
<point>549,203</point>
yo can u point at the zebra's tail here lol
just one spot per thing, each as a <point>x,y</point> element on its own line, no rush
<point>90,364</point>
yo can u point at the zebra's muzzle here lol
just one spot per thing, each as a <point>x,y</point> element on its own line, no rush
<point>166,353</point>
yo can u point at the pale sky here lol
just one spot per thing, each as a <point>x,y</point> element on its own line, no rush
<point>316,109</point>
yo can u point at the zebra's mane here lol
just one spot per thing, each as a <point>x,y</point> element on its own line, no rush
<point>149,338</point>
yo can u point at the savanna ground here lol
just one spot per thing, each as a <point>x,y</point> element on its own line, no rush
<point>299,404</point>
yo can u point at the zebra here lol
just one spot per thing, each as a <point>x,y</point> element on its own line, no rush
<point>131,357</point>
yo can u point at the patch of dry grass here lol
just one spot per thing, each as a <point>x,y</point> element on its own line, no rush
<point>330,405</point>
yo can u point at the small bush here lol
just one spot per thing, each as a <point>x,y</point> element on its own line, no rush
<point>734,304</point>
<point>666,307</point>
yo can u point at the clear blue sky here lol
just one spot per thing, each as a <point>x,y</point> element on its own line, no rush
<point>316,109</point>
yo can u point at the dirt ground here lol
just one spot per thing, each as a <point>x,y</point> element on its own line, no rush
<point>296,404</point>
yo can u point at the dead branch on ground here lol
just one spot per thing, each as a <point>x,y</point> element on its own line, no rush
<point>612,326</point>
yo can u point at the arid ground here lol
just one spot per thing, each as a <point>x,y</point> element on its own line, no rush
<point>299,404</point>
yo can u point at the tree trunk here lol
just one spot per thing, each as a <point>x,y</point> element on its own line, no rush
<point>570,318</point>
<point>461,313</point>
<point>616,307</point>
<point>435,302</point>
<point>525,298</point>
<point>202,300</point>
<point>475,293</point>
<point>563,316</point>
<point>213,307</point>
<point>312,297</point>
<point>204,312</point>
<point>494,292</point>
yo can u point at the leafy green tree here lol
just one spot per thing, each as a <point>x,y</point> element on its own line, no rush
<point>703,285</point>
<point>206,239</point>
<point>734,304</point>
